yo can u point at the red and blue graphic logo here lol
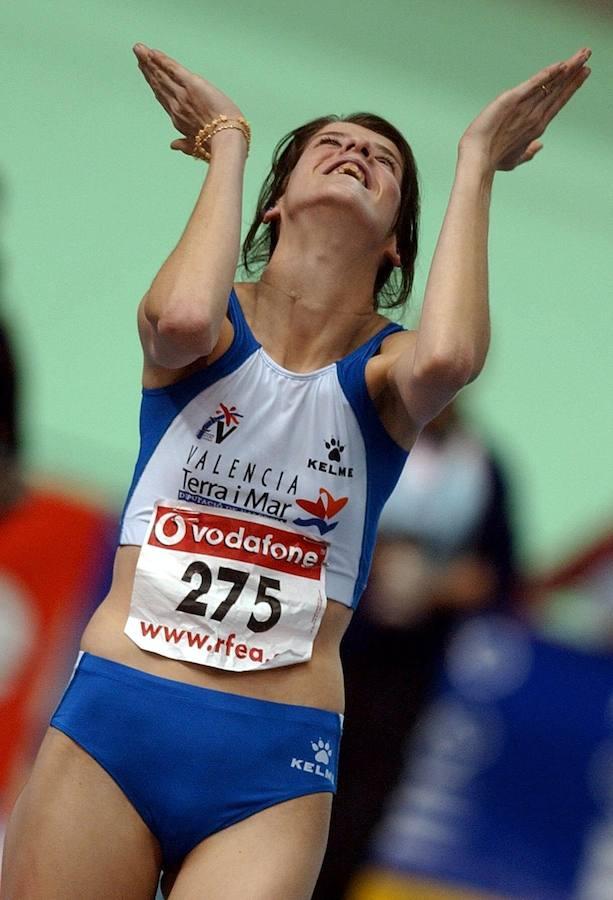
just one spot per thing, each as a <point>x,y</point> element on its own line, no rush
<point>226,420</point>
<point>322,510</point>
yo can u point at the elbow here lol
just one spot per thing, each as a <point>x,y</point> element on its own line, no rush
<point>453,370</point>
<point>176,320</point>
<point>187,330</point>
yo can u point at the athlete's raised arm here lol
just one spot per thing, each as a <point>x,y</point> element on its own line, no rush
<point>181,315</point>
<point>453,335</point>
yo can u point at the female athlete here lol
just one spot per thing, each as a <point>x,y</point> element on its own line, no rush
<point>199,734</point>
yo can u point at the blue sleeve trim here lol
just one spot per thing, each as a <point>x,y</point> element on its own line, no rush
<point>385,459</point>
<point>160,406</point>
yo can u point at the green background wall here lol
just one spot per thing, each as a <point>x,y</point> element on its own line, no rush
<point>93,200</point>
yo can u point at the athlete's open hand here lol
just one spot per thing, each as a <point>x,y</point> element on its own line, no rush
<point>506,133</point>
<point>189,99</point>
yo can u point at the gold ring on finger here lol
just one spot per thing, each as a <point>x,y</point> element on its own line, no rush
<point>546,90</point>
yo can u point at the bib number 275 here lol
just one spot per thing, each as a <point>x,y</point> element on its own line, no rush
<point>193,603</point>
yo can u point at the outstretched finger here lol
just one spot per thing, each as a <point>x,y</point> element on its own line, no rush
<point>578,58</point>
<point>152,65</point>
<point>171,67</point>
<point>163,100</point>
<point>152,79</point>
<point>140,50</point>
<point>165,81</point>
<point>148,75</point>
<point>545,83</point>
<point>571,87</point>
<point>547,77</point>
<point>574,70</point>
<point>144,62</point>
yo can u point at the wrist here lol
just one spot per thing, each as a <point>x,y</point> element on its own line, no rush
<point>230,140</point>
<point>474,166</point>
<point>222,123</point>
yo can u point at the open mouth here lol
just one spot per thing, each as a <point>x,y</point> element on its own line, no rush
<point>352,169</point>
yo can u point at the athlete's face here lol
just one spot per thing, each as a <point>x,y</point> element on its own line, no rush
<point>353,167</point>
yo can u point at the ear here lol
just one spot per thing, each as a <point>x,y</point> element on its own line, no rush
<point>391,252</point>
<point>272,214</point>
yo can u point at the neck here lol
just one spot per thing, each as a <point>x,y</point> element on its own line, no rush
<point>325,265</point>
<point>306,324</point>
<point>315,298</point>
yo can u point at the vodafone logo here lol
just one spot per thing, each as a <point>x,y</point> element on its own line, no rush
<point>169,540</point>
<point>214,534</point>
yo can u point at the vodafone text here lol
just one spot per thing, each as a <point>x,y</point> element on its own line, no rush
<point>274,546</point>
<point>205,642</point>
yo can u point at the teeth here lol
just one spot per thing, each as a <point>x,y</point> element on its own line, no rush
<point>351,169</point>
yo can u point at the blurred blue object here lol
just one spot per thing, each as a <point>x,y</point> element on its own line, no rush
<point>508,786</point>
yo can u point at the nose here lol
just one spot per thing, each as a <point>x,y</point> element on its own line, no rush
<point>360,145</point>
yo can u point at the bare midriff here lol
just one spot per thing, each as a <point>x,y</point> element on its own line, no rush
<point>318,682</point>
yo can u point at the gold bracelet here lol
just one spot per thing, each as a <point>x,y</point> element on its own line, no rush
<point>202,146</point>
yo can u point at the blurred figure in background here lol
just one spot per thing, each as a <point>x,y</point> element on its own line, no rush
<point>445,542</point>
<point>507,783</point>
<point>444,549</point>
<point>55,564</point>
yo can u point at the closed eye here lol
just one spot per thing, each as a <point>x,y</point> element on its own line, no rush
<point>329,140</point>
<point>388,161</point>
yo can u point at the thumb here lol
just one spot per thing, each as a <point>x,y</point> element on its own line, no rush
<point>530,152</point>
<point>184,145</point>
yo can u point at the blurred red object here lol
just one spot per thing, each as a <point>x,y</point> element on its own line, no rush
<point>54,566</point>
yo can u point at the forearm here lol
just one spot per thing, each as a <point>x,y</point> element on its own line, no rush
<point>450,345</point>
<point>453,333</point>
<point>189,295</point>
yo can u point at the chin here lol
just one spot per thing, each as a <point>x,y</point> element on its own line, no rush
<point>345,201</point>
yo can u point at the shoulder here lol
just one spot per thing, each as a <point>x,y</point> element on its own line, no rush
<point>395,345</point>
<point>391,340</point>
<point>381,389</point>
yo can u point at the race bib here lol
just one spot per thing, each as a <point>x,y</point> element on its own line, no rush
<point>226,590</point>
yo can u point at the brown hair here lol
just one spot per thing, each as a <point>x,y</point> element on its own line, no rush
<point>392,285</point>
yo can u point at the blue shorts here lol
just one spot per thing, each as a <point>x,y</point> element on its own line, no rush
<point>191,760</point>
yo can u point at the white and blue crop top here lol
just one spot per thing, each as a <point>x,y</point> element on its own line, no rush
<point>245,434</point>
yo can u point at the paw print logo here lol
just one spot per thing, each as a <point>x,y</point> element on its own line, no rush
<point>322,751</point>
<point>335,449</point>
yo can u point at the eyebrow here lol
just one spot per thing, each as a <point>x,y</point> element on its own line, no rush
<point>395,155</point>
